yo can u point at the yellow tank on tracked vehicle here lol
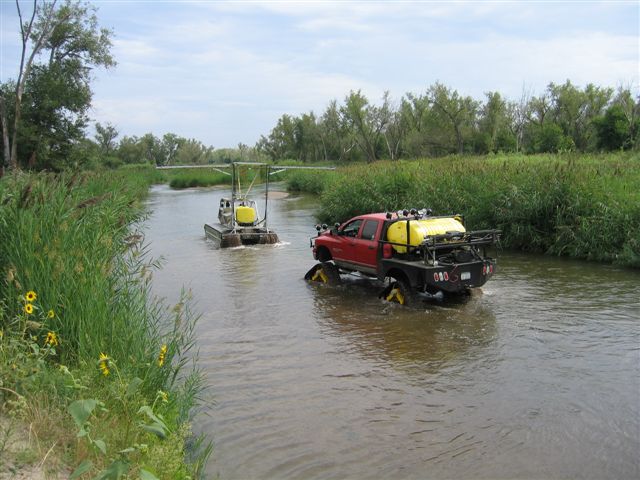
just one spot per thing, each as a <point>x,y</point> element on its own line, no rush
<point>419,230</point>
<point>240,221</point>
<point>246,215</point>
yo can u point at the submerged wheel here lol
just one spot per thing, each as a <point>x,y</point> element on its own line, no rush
<point>399,291</point>
<point>325,272</point>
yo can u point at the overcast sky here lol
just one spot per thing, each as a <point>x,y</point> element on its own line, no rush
<point>224,72</point>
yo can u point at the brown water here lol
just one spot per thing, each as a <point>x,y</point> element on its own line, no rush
<point>536,377</point>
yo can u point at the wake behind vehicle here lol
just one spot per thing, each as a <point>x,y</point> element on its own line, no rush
<point>421,255</point>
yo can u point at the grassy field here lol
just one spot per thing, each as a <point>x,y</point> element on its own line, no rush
<point>101,373</point>
<point>582,206</point>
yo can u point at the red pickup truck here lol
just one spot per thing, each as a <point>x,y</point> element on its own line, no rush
<point>419,254</point>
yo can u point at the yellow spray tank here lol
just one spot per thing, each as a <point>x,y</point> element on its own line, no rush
<point>420,229</point>
<point>246,215</point>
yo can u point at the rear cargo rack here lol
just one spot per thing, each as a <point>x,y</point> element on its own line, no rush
<point>457,239</point>
<point>451,240</point>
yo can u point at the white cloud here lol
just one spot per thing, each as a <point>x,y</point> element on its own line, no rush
<point>135,50</point>
<point>228,70</point>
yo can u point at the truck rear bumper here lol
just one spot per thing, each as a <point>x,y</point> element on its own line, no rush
<point>442,277</point>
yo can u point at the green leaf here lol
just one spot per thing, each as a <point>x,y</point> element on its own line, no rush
<point>146,475</point>
<point>156,418</point>
<point>156,429</point>
<point>81,410</point>
<point>100,445</point>
<point>134,386</point>
<point>83,468</point>
<point>116,470</point>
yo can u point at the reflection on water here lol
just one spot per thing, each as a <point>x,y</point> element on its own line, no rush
<point>399,336</point>
<point>537,377</point>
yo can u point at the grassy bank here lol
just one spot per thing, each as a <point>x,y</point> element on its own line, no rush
<point>196,177</point>
<point>98,371</point>
<point>179,178</point>
<point>582,206</point>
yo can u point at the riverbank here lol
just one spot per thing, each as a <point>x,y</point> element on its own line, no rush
<point>579,206</point>
<point>99,373</point>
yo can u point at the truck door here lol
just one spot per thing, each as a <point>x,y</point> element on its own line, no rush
<point>345,247</point>
<point>366,247</point>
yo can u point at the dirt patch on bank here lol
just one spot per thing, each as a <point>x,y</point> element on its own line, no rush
<point>22,457</point>
<point>275,195</point>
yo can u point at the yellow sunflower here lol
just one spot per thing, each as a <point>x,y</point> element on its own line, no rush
<point>103,364</point>
<point>52,339</point>
<point>163,354</point>
<point>51,314</point>
<point>28,308</point>
<point>30,296</point>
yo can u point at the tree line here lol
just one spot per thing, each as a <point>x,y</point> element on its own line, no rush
<point>441,121</point>
<point>170,149</point>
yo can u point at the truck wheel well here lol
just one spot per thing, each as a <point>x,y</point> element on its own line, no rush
<point>397,275</point>
<point>323,255</point>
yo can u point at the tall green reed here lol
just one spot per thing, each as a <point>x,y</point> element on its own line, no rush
<point>579,206</point>
<point>75,240</point>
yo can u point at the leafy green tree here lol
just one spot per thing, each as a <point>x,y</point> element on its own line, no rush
<point>280,143</point>
<point>414,113</point>
<point>539,108</point>
<point>613,129</point>
<point>494,133</point>
<point>193,152</point>
<point>366,122</point>
<point>631,108</point>
<point>169,147</point>
<point>307,138</point>
<point>549,138</point>
<point>152,151</point>
<point>454,110</point>
<point>130,150</point>
<point>574,109</point>
<point>393,129</point>
<point>519,113</point>
<point>596,101</point>
<point>105,137</point>
<point>336,136</point>
<point>51,95</point>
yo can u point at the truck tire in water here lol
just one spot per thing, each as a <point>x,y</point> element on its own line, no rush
<point>400,292</point>
<point>325,272</point>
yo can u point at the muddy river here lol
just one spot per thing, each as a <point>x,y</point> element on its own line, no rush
<point>537,376</point>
